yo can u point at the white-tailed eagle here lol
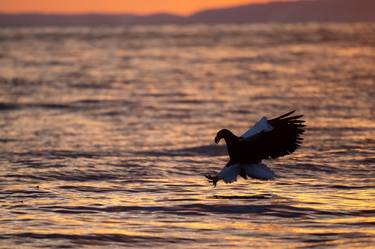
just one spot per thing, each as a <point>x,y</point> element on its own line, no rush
<point>267,139</point>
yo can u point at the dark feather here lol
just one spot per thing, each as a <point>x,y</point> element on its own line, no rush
<point>284,139</point>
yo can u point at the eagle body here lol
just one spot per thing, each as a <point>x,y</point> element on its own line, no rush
<point>267,139</point>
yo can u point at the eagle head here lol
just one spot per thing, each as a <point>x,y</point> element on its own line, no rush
<point>226,134</point>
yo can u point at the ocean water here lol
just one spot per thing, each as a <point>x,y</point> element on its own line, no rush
<point>106,134</point>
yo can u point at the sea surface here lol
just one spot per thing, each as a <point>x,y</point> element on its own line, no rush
<point>106,134</point>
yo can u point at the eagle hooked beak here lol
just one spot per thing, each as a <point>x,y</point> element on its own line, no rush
<point>217,139</point>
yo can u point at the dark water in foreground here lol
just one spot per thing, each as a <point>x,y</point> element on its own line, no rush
<point>105,134</point>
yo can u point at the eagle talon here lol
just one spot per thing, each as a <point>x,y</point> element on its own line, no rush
<point>212,179</point>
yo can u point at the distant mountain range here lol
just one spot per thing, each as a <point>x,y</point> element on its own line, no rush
<point>296,11</point>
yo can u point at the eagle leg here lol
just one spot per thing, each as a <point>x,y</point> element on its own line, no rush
<point>212,179</point>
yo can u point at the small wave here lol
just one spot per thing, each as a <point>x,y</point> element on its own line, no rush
<point>313,167</point>
<point>328,237</point>
<point>98,238</point>
<point>14,106</point>
<point>56,154</point>
<point>77,175</point>
<point>337,186</point>
<point>243,197</point>
<point>90,189</point>
<point>92,85</point>
<point>204,150</point>
<point>119,209</point>
<point>199,209</point>
<point>82,105</point>
<point>26,194</point>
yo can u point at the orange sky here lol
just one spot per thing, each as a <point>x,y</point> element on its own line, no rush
<point>116,6</point>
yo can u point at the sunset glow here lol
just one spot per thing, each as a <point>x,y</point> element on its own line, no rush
<point>183,7</point>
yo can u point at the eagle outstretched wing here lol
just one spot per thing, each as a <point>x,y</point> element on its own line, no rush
<point>283,139</point>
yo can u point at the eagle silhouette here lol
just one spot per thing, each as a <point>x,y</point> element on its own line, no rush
<point>267,139</point>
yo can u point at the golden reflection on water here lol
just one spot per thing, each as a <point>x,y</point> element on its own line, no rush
<point>111,134</point>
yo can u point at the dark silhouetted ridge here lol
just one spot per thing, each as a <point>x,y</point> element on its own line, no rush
<point>296,11</point>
